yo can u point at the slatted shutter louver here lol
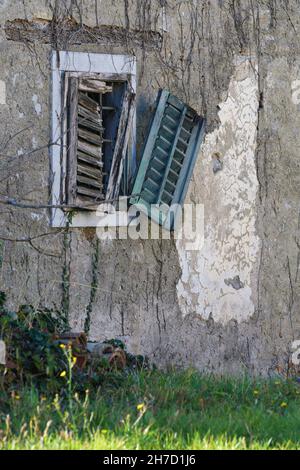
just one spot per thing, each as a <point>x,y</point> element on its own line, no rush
<point>169,156</point>
<point>89,149</point>
<point>84,140</point>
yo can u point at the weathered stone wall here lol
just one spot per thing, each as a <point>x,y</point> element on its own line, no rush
<point>231,307</point>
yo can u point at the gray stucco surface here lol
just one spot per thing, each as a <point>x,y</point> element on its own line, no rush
<point>234,306</point>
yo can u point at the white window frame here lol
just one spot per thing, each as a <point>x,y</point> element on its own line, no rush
<point>66,61</point>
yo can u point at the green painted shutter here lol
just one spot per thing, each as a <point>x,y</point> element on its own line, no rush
<point>168,159</point>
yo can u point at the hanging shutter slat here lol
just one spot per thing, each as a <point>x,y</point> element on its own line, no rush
<point>91,171</point>
<point>89,149</point>
<point>94,86</point>
<point>88,191</point>
<point>89,116</point>
<point>91,137</point>
<point>89,104</point>
<point>168,159</point>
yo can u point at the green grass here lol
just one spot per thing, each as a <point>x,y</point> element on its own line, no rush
<point>155,410</point>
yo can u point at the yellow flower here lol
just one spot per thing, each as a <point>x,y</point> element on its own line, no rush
<point>255,392</point>
<point>283,404</point>
<point>63,373</point>
<point>15,396</point>
<point>74,359</point>
<point>62,346</point>
<point>140,406</point>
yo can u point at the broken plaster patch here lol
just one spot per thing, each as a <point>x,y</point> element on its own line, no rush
<point>231,246</point>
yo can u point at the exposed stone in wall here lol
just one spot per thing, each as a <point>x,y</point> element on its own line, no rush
<point>219,281</point>
<point>67,32</point>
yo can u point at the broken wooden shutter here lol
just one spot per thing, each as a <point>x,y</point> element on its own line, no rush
<point>96,107</point>
<point>84,140</point>
<point>168,159</point>
<point>121,145</point>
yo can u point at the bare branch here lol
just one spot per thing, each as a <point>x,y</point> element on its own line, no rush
<point>30,239</point>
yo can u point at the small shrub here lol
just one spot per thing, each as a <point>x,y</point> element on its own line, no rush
<point>35,356</point>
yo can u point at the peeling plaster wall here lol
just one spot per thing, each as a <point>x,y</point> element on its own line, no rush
<point>234,306</point>
<point>231,244</point>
